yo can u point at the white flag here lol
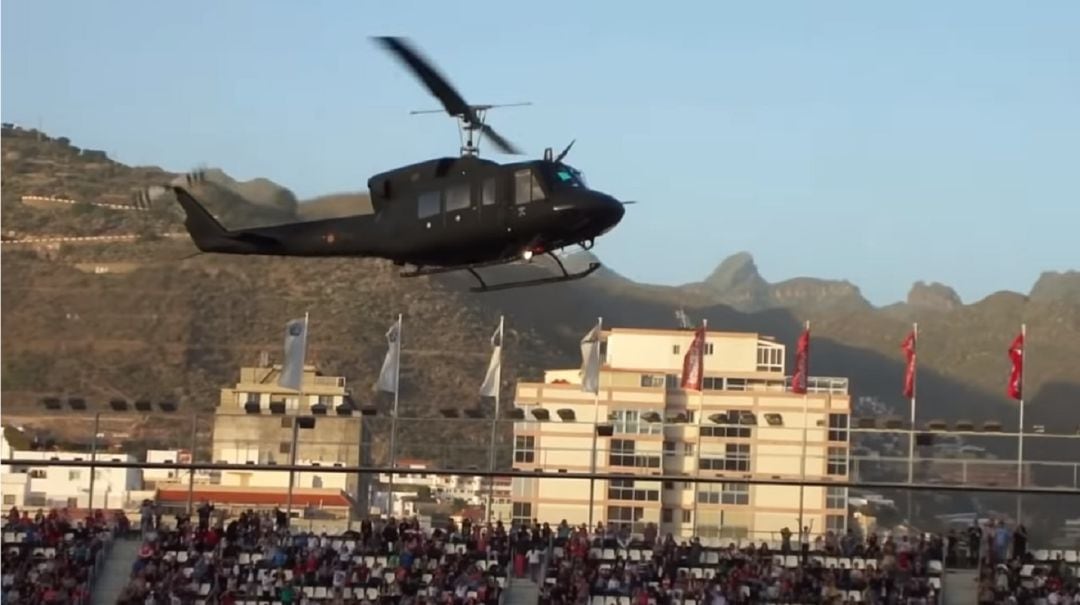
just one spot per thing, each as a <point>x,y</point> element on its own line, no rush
<point>388,376</point>
<point>490,388</point>
<point>292,369</point>
<point>590,360</point>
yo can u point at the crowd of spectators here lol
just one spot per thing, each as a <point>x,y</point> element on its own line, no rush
<point>610,565</point>
<point>1011,573</point>
<point>52,557</point>
<point>256,557</point>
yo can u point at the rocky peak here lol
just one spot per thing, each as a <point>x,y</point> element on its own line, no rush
<point>1054,286</point>
<point>934,296</point>
<point>737,270</point>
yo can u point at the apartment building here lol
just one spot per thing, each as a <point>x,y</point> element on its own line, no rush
<point>642,427</point>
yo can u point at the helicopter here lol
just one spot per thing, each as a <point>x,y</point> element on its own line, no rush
<point>441,215</point>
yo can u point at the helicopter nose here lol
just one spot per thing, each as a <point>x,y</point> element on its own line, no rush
<point>609,211</point>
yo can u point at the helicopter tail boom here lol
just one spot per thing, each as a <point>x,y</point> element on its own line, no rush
<point>210,236</point>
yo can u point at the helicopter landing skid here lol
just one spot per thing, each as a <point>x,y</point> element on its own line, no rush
<point>484,287</point>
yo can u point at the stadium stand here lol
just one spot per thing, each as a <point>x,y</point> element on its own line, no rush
<point>53,557</point>
<point>256,559</point>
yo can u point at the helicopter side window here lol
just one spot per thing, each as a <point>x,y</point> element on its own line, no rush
<point>487,193</point>
<point>526,187</point>
<point>428,204</point>
<point>458,197</point>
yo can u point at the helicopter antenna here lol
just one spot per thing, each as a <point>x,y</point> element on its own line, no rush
<point>471,132</point>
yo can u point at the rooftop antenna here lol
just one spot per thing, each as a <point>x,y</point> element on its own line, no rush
<point>471,132</point>
<point>683,319</point>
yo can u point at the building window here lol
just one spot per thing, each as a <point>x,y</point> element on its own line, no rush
<point>458,197</point>
<point>669,448</point>
<point>770,358</point>
<point>285,447</point>
<point>521,513</point>
<point>708,348</point>
<point>725,493</point>
<point>623,454</point>
<point>687,516</point>
<point>74,475</point>
<point>736,458</point>
<point>675,349</point>
<point>672,382</point>
<point>730,427</point>
<point>526,187</point>
<point>326,400</point>
<point>836,498</point>
<point>286,422</point>
<point>665,514</point>
<point>837,462</point>
<point>653,381</point>
<point>835,523</point>
<point>37,473</point>
<point>626,516</point>
<point>9,500</point>
<point>623,489</point>
<point>428,204</point>
<point>838,424</point>
<point>487,193</point>
<point>524,449</point>
<point>630,422</point>
<point>735,384</point>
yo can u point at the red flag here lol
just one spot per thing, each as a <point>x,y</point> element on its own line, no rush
<point>694,361</point>
<point>909,373</point>
<point>1016,377</point>
<point>802,358</point>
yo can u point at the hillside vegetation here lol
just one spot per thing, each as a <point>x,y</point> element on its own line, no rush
<point>183,327</point>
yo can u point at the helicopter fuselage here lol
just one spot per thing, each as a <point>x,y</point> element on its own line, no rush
<point>447,212</point>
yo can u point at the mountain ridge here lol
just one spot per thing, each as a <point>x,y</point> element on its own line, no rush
<point>195,322</point>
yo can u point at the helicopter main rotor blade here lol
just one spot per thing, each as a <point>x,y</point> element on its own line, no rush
<point>496,138</point>
<point>423,69</point>
<point>441,88</point>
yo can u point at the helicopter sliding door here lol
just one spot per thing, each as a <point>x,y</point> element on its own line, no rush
<point>491,212</point>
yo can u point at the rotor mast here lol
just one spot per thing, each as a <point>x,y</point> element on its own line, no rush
<point>470,132</point>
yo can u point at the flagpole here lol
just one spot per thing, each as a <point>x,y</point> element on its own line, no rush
<point>394,418</point>
<point>911,435</point>
<point>1020,431</point>
<point>596,420</point>
<point>802,461</point>
<point>295,432</point>
<point>700,422</point>
<point>495,423</point>
<point>911,428</point>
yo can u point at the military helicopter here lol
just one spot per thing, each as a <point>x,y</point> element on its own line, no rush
<point>445,214</point>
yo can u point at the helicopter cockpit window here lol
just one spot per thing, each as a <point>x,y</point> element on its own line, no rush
<point>567,176</point>
<point>428,204</point>
<point>526,187</point>
<point>487,193</point>
<point>458,197</point>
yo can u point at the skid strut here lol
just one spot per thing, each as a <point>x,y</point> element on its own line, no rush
<point>484,287</point>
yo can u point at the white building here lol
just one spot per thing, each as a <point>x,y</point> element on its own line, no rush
<point>63,486</point>
<point>154,476</point>
<point>744,424</point>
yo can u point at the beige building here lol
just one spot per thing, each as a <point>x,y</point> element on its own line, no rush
<point>745,424</point>
<point>256,421</point>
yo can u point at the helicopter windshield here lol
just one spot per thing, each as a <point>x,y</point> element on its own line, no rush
<point>567,175</point>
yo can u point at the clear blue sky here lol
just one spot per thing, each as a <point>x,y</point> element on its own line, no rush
<point>879,143</point>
